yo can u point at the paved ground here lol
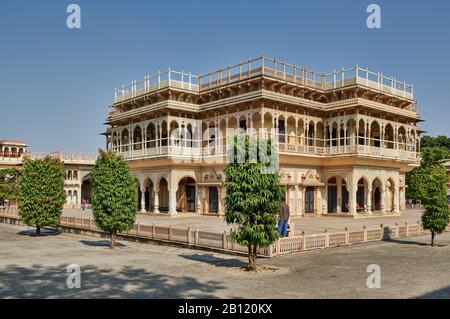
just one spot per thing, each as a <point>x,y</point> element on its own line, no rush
<point>36,268</point>
<point>308,224</point>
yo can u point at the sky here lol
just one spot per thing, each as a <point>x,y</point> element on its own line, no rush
<point>56,83</point>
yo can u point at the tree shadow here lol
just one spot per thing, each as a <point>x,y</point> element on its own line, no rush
<point>101,243</point>
<point>129,282</point>
<point>412,242</point>
<point>443,293</point>
<point>210,259</point>
<point>45,232</point>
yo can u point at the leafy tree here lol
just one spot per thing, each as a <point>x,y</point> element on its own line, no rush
<point>9,184</point>
<point>438,141</point>
<point>253,198</point>
<point>42,195</point>
<point>436,216</point>
<point>114,196</point>
<point>418,179</point>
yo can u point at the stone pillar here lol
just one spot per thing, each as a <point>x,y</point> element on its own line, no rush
<point>396,198</point>
<point>339,194</point>
<point>352,198</point>
<point>369,199</point>
<point>402,199</point>
<point>382,198</point>
<point>296,208</point>
<point>303,202</point>
<point>156,199</point>
<point>198,200</point>
<point>143,199</point>
<point>172,200</point>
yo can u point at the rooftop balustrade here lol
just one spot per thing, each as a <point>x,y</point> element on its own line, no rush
<point>269,67</point>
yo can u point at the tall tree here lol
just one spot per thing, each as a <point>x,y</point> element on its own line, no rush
<point>114,196</point>
<point>42,195</point>
<point>436,216</point>
<point>253,198</point>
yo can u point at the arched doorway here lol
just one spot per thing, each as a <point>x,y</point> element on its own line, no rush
<point>86,189</point>
<point>332,196</point>
<point>213,199</point>
<point>361,201</point>
<point>377,189</point>
<point>345,196</point>
<point>375,134</point>
<point>309,199</point>
<point>148,195</point>
<point>337,195</point>
<point>163,195</point>
<point>186,195</point>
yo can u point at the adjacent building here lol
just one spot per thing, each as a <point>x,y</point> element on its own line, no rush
<point>77,181</point>
<point>345,138</point>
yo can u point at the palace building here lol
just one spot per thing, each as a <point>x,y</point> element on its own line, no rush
<point>345,138</point>
<point>77,180</point>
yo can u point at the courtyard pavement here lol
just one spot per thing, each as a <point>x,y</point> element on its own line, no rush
<point>310,225</point>
<point>33,267</point>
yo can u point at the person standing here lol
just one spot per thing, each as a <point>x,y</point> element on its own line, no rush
<point>283,218</point>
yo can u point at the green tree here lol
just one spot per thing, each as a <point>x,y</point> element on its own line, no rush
<point>436,216</point>
<point>114,196</point>
<point>9,184</point>
<point>42,195</point>
<point>253,198</point>
<point>419,178</point>
<point>438,141</point>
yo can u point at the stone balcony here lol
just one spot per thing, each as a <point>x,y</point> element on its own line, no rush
<point>199,153</point>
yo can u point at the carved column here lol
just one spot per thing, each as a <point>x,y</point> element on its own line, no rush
<point>156,199</point>
<point>142,189</point>
<point>369,199</point>
<point>339,194</point>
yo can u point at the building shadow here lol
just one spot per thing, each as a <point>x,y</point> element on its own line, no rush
<point>443,293</point>
<point>129,282</point>
<point>213,260</point>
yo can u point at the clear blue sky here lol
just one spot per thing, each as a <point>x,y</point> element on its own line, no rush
<point>56,83</point>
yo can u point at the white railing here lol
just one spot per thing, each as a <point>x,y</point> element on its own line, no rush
<point>170,78</point>
<point>66,157</point>
<point>286,144</point>
<point>206,239</point>
<point>302,75</point>
<point>271,67</point>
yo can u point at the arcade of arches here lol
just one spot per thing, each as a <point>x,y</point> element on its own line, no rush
<point>180,192</point>
<point>309,191</point>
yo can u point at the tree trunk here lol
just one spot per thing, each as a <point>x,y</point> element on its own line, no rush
<point>249,257</point>
<point>432,238</point>
<point>255,248</point>
<point>112,241</point>
<point>38,230</point>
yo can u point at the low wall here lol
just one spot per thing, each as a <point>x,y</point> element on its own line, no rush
<point>221,242</point>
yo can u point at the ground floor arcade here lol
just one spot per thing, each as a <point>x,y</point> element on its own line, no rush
<point>310,191</point>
